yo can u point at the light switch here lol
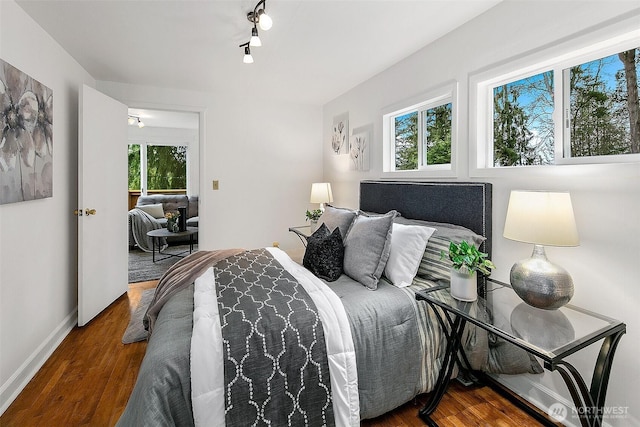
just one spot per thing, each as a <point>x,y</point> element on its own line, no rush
<point>216,184</point>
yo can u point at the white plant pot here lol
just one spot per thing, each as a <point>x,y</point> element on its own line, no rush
<point>463,286</point>
<point>314,225</point>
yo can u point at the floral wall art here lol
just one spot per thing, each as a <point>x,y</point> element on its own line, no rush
<point>339,136</point>
<point>359,144</point>
<point>26,137</point>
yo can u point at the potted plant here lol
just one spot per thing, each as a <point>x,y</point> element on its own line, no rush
<point>313,217</point>
<point>172,221</point>
<point>466,261</point>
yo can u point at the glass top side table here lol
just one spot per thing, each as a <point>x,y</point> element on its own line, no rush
<point>551,335</point>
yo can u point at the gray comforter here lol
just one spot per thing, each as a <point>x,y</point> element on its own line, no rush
<point>396,341</point>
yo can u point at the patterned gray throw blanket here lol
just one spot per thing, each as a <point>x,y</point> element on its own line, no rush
<point>275,368</point>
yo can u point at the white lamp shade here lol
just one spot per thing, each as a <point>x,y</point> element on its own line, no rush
<point>541,217</point>
<point>321,193</point>
<point>255,41</point>
<point>265,21</point>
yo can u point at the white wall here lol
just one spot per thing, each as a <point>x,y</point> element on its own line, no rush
<point>38,250</point>
<point>606,198</point>
<point>265,154</point>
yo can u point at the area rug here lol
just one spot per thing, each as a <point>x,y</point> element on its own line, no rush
<point>142,268</point>
<point>135,330</point>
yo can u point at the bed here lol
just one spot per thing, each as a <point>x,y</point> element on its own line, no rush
<point>259,339</point>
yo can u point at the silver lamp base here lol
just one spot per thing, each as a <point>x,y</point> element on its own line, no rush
<point>541,283</point>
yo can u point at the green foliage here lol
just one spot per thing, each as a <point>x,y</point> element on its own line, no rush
<point>438,135</point>
<point>465,256</point>
<point>313,215</point>
<point>134,167</point>
<point>597,115</point>
<point>511,135</point>
<point>166,167</point>
<point>407,141</point>
<point>603,112</point>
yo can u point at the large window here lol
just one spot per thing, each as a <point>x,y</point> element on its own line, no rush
<point>419,137</point>
<point>570,110</point>
<point>157,167</point>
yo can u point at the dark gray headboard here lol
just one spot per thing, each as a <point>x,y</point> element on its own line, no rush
<point>461,203</point>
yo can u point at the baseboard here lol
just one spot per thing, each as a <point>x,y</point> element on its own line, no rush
<point>10,390</point>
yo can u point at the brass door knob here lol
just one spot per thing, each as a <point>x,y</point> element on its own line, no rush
<point>89,211</point>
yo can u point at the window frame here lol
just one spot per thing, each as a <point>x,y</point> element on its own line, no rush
<point>437,96</point>
<point>556,59</point>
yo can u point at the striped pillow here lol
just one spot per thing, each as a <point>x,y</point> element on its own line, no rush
<point>432,266</point>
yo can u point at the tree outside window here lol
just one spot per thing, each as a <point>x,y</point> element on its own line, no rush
<point>165,168</point>
<point>423,137</point>
<point>601,113</point>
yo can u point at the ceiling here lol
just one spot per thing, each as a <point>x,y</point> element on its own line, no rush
<point>316,50</point>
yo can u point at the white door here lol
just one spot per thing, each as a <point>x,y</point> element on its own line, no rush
<point>102,203</point>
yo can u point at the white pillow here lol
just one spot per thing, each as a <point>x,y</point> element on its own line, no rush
<point>408,243</point>
<point>155,211</point>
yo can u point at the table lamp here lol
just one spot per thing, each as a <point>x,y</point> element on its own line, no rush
<point>321,193</point>
<point>541,218</point>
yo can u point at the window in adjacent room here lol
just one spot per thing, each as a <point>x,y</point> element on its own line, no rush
<point>157,167</point>
<point>570,110</point>
<point>420,137</point>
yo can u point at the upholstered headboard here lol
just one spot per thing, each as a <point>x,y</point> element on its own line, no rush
<point>461,203</point>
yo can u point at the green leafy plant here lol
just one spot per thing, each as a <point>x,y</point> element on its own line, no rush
<point>466,257</point>
<point>313,215</point>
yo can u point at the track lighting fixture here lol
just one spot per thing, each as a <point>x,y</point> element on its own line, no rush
<point>132,120</point>
<point>248,59</point>
<point>260,18</point>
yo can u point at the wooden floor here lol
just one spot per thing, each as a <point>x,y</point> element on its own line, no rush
<point>88,379</point>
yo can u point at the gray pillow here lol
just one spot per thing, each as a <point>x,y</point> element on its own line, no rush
<point>367,247</point>
<point>340,218</point>
<point>453,232</point>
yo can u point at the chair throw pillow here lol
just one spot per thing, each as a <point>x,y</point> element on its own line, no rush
<point>325,253</point>
<point>340,218</point>
<point>156,210</point>
<point>367,246</point>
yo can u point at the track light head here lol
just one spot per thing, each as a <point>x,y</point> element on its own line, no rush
<point>260,17</point>
<point>255,40</point>
<point>264,20</point>
<point>248,59</point>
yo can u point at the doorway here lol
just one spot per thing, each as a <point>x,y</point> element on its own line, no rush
<point>163,153</point>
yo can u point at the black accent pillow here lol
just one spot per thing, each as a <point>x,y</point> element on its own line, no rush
<point>325,253</point>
